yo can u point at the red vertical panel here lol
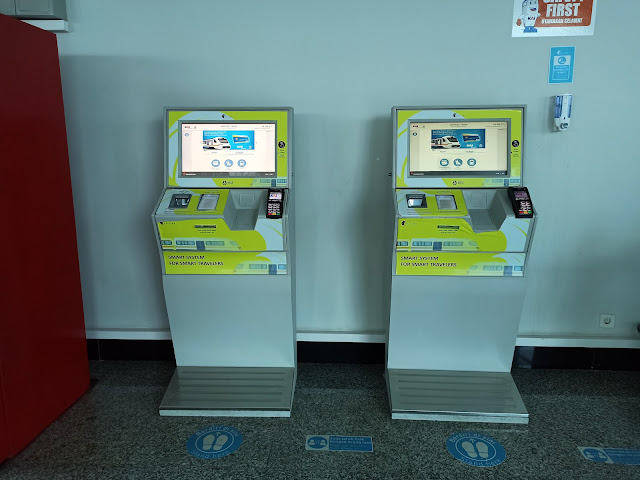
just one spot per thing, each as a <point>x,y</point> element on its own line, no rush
<point>4,446</point>
<point>43,352</point>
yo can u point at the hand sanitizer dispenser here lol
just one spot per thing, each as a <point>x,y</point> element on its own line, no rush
<point>562,115</point>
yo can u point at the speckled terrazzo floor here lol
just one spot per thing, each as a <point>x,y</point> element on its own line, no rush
<point>115,432</point>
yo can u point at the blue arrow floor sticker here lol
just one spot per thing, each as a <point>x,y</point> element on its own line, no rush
<point>624,456</point>
<point>476,449</point>
<point>339,443</point>
<point>214,442</point>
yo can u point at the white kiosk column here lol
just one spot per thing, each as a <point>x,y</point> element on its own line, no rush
<point>459,260</point>
<point>225,235</point>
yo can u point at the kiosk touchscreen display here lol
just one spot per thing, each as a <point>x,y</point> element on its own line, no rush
<point>227,149</point>
<point>459,148</point>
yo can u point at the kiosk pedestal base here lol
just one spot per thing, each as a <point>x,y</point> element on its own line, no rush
<point>229,392</point>
<point>455,396</point>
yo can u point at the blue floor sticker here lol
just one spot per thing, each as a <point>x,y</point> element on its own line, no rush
<point>476,449</point>
<point>339,443</point>
<point>214,442</point>
<point>624,456</point>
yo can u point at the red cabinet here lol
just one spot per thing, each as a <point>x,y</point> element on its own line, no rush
<point>43,355</point>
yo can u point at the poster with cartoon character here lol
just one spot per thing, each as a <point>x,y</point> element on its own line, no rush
<point>553,18</point>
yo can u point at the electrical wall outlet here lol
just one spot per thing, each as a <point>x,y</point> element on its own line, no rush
<point>607,320</point>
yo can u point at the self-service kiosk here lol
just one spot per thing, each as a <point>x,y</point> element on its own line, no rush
<point>463,229</point>
<point>225,236</point>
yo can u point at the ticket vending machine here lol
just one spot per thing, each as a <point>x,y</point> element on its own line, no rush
<point>463,228</point>
<point>225,236</point>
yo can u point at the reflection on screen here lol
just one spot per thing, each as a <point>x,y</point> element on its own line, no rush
<point>228,149</point>
<point>463,147</point>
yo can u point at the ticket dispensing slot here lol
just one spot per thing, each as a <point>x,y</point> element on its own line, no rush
<point>446,202</point>
<point>180,200</point>
<point>208,202</point>
<point>416,200</point>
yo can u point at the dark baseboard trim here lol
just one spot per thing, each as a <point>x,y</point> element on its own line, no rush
<point>130,350</point>
<point>341,352</point>
<point>374,353</point>
<point>577,358</point>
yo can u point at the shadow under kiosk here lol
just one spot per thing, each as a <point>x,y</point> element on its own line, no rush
<point>224,230</point>
<point>463,228</point>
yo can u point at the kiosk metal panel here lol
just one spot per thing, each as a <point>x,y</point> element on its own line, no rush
<point>224,230</point>
<point>459,258</point>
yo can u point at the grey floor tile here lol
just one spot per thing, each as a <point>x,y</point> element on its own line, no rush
<point>115,432</point>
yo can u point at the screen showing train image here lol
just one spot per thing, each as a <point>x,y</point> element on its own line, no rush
<point>459,148</point>
<point>228,149</point>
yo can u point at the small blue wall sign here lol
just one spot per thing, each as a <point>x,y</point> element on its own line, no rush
<point>214,442</point>
<point>476,449</point>
<point>561,62</point>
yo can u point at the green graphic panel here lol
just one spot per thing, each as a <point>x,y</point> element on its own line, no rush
<point>224,263</point>
<point>208,234</point>
<point>175,115</point>
<point>449,234</point>
<point>460,264</point>
<point>403,116</point>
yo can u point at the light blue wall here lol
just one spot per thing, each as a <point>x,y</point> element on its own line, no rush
<point>342,65</point>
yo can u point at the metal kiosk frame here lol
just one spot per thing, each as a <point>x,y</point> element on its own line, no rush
<point>458,281</point>
<point>228,270</point>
